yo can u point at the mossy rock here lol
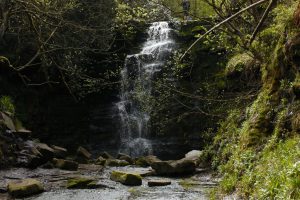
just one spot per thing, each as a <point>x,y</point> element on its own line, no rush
<point>142,162</point>
<point>106,155</point>
<point>100,161</point>
<point>125,157</point>
<point>146,161</point>
<point>65,164</point>
<point>25,188</point>
<point>239,64</point>
<point>83,153</point>
<point>125,178</point>
<point>116,163</point>
<point>82,183</point>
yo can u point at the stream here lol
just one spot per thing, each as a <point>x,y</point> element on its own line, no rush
<point>195,187</point>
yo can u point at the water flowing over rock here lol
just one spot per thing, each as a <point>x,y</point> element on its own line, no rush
<point>136,91</point>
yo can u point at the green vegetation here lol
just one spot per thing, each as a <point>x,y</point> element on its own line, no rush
<point>199,8</point>
<point>6,105</point>
<point>256,148</point>
<point>237,91</point>
<point>81,183</point>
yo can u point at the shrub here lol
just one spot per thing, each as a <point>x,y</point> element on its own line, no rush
<point>6,105</point>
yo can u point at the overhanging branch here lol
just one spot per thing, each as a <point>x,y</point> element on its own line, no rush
<point>220,24</point>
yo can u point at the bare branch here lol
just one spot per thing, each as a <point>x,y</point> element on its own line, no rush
<point>220,24</point>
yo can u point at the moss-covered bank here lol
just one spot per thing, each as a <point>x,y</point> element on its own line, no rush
<point>256,148</point>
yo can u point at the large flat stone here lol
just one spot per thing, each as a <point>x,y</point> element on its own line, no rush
<point>24,188</point>
<point>126,178</point>
<point>177,167</point>
<point>154,183</point>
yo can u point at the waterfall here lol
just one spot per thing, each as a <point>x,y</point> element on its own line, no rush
<point>137,78</point>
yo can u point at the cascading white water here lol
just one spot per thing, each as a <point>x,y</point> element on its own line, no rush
<point>136,90</point>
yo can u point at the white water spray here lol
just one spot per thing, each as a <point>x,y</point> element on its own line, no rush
<point>136,90</point>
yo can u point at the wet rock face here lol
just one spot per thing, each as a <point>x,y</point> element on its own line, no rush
<point>25,188</point>
<point>126,178</point>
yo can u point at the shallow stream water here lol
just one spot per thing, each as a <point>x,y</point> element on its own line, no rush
<point>195,187</point>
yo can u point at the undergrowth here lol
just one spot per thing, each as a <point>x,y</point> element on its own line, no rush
<point>257,148</point>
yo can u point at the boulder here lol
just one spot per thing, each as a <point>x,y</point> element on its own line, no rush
<point>116,163</point>
<point>83,156</point>
<point>178,167</point>
<point>82,152</point>
<point>29,160</point>
<point>146,161</point>
<point>29,156</point>
<point>47,165</point>
<point>126,178</point>
<point>153,183</point>
<point>194,155</point>
<point>106,155</point>
<point>24,188</point>
<point>82,183</point>
<point>45,150</point>
<point>59,152</point>
<point>125,157</point>
<point>100,161</point>
<point>184,166</point>
<point>65,164</point>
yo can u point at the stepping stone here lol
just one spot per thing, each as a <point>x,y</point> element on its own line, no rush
<point>25,188</point>
<point>153,183</point>
<point>126,178</point>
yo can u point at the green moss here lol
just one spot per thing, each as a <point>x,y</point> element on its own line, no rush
<point>226,139</point>
<point>81,183</point>
<point>239,63</point>
<point>142,162</point>
<point>126,178</point>
<point>24,188</point>
<point>186,184</point>
<point>258,124</point>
